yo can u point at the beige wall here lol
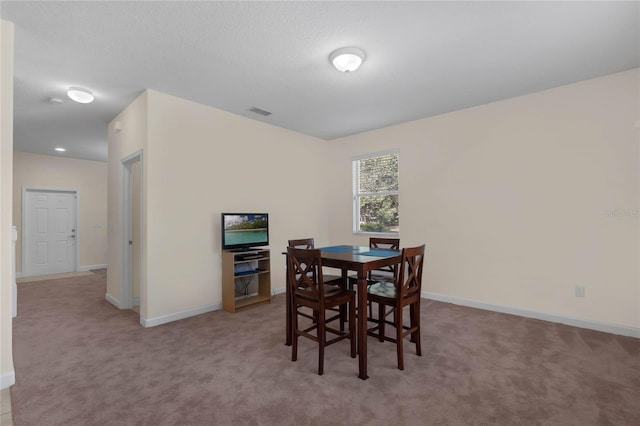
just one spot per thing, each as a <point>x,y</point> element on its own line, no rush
<point>7,376</point>
<point>520,201</point>
<point>199,162</point>
<point>89,178</point>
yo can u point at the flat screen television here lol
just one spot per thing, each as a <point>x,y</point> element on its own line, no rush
<point>242,231</point>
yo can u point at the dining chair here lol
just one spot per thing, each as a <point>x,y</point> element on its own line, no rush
<point>309,243</point>
<point>308,290</point>
<point>386,273</point>
<point>405,291</point>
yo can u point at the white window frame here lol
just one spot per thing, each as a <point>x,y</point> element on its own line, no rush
<point>356,195</point>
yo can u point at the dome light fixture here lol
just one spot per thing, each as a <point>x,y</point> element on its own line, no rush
<point>80,95</point>
<point>347,59</point>
<point>60,149</point>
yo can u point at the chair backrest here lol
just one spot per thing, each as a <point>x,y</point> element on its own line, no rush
<point>409,280</point>
<point>305,273</point>
<point>306,243</point>
<point>384,243</point>
<point>389,244</point>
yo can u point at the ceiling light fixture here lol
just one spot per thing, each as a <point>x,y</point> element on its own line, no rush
<point>347,59</point>
<point>60,149</point>
<point>56,101</point>
<point>78,94</point>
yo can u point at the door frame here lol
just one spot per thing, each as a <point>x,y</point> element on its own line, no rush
<point>126,286</point>
<point>25,189</point>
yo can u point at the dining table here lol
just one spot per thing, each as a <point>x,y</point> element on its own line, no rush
<point>360,260</point>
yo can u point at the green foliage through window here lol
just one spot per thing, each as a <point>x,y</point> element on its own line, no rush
<point>375,194</point>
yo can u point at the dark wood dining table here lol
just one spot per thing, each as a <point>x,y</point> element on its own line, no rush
<point>360,260</point>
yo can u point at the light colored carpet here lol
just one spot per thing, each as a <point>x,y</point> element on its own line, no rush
<point>52,276</point>
<point>79,361</point>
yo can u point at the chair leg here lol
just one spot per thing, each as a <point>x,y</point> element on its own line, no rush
<point>381,321</point>
<point>412,316</point>
<point>416,334</point>
<point>322,339</point>
<point>294,328</point>
<point>352,328</point>
<point>398,311</point>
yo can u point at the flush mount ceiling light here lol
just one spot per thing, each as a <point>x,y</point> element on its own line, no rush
<point>60,149</point>
<point>347,59</point>
<point>78,94</point>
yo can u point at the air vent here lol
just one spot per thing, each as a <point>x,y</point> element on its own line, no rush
<point>259,111</point>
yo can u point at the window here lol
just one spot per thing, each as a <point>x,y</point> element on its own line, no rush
<point>375,194</point>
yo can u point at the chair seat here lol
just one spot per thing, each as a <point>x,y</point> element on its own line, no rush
<point>332,279</point>
<point>382,276</point>
<point>383,289</point>
<point>373,278</point>
<point>329,290</point>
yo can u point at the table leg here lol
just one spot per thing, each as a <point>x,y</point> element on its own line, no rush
<point>289,309</point>
<point>362,325</point>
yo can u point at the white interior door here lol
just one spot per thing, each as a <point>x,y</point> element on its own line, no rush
<point>132,284</point>
<point>135,233</point>
<point>50,232</point>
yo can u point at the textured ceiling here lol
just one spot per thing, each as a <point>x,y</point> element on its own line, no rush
<point>423,59</point>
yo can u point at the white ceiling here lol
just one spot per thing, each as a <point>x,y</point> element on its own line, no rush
<point>423,59</point>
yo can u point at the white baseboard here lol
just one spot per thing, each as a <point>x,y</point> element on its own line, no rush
<point>90,267</point>
<point>80,269</point>
<point>163,319</point>
<point>7,380</point>
<point>277,291</point>
<point>115,302</point>
<point>591,325</point>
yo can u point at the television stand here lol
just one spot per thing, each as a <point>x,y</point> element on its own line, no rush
<point>242,270</point>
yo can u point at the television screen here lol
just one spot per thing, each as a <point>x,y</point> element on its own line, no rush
<point>244,230</point>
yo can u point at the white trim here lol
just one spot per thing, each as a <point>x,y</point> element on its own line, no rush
<point>79,269</point>
<point>14,285</point>
<point>281,290</point>
<point>26,189</point>
<point>163,319</point>
<point>377,234</point>
<point>622,330</point>
<point>375,154</point>
<point>90,267</point>
<point>115,302</point>
<point>7,380</point>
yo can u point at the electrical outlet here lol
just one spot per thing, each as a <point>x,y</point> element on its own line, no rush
<point>580,291</point>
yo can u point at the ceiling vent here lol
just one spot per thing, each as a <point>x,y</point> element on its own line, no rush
<point>259,111</point>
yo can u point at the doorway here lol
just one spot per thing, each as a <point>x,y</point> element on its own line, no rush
<point>49,231</point>
<point>132,292</point>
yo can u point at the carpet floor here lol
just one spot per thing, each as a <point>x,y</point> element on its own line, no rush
<point>80,361</point>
